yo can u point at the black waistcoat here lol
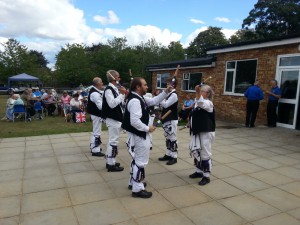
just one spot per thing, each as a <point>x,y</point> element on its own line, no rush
<point>145,117</point>
<point>173,107</point>
<point>203,121</point>
<point>91,106</point>
<point>107,112</point>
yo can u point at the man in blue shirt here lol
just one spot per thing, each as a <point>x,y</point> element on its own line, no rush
<point>274,96</point>
<point>253,94</point>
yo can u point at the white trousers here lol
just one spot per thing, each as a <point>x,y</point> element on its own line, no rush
<point>170,133</point>
<point>114,129</point>
<point>200,147</point>
<point>97,130</point>
<point>140,156</point>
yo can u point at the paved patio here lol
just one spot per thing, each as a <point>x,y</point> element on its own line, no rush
<point>51,180</point>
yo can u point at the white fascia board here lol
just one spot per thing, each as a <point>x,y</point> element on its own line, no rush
<point>254,46</point>
<point>188,67</point>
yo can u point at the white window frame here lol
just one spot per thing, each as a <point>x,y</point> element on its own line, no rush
<point>234,76</point>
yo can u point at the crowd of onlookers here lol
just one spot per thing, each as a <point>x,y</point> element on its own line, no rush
<point>39,103</point>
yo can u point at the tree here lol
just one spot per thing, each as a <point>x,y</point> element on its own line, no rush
<point>73,65</point>
<point>273,18</point>
<point>40,58</point>
<point>174,51</point>
<point>243,35</point>
<point>211,37</point>
<point>15,59</point>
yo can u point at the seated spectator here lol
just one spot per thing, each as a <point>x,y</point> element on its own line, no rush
<point>28,103</point>
<point>54,94</point>
<point>76,106</point>
<point>187,106</point>
<point>49,103</point>
<point>9,107</point>
<point>37,92</point>
<point>18,100</point>
<point>65,102</point>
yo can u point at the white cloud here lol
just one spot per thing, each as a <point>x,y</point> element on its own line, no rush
<point>223,19</point>
<point>228,32</point>
<point>194,34</point>
<point>197,21</point>
<point>46,26</point>
<point>111,19</point>
<point>138,33</point>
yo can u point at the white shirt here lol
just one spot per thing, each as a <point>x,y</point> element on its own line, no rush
<point>204,104</point>
<point>97,98</point>
<point>170,101</point>
<point>112,103</point>
<point>135,110</point>
<point>110,98</point>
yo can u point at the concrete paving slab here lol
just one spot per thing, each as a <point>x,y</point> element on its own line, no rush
<point>249,207</point>
<point>212,213</point>
<point>55,180</point>
<point>60,216</point>
<point>42,201</point>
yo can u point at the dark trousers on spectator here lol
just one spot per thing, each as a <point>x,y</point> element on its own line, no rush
<point>271,113</point>
<point>252,108</point>
<point>51,108</point>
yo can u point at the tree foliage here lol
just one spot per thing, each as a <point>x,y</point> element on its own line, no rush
<point>15,59</point>
<point>273,18</point>
<point>73,65</point>
<point>243,35</point>
<point>211,37</point>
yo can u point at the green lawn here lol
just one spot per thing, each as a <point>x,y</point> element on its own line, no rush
<point>49,125</point>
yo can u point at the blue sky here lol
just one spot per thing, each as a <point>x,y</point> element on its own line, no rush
<point>47,25</point>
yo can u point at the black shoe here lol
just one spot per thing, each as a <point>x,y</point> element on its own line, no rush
<point>142,194</point>
<point>165,158</point>
<point>130,186</point>
<point>196,175</point>
<point>204,181</point>
<point>99,154</point>
<point>114,168</point>
<point>172,161</point>
<point>117,165</point>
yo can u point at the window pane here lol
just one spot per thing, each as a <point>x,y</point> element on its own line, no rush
<point>245,75</point>
<point>164,78</point>
<point>290,61</point>
<point>289,84</point>
<point>195,79</point>
<point>286,113</point>
<point>158,83</point>
<point>185,85</point>
<point>231,65</point>
<point>229,81</point>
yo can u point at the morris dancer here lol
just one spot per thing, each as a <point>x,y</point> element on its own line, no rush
<point>112,112</point>
<point>203,133</point>
<point>94,107</point>
<point>136,123</point>
<point>170,123</point>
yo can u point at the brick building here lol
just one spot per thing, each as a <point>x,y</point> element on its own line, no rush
<point>231,69</point>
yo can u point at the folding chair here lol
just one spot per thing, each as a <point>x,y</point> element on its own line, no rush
<point>38,110</point>
<point>19,109</point>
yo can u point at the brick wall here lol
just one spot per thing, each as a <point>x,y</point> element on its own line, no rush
<point>233,108</point>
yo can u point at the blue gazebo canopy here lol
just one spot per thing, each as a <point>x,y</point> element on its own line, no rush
<point>22,77</point>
